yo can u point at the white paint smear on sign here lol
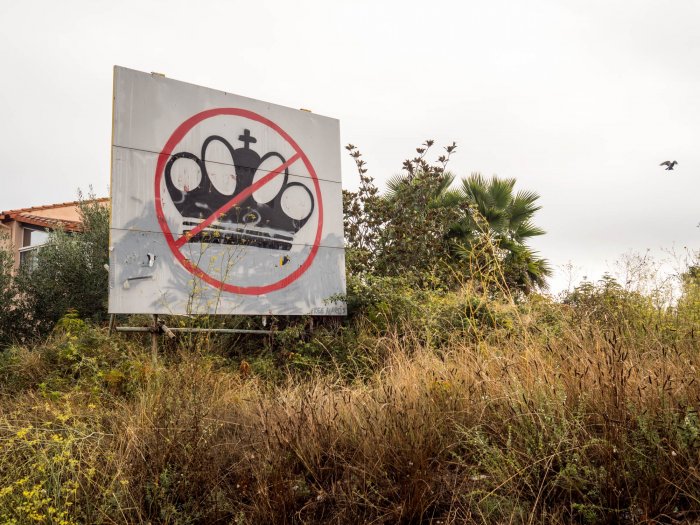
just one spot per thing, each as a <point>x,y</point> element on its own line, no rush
<point>222,204</point>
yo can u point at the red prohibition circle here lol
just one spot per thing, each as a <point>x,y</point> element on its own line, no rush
<point>172,143</point>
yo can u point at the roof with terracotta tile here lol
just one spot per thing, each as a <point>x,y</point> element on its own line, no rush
<point>26,216</point>
<point>46,222</point>
<point>48,207</point>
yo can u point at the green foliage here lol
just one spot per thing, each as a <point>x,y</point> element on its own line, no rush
<point>497,217</point>
<point>363,216</point>
<point>401,233</point>
<point>75,356</point>
<point>413,241</point>
<point>428,314</point>
<point>43,486</point>
<point>71,271</point>
<point>70,275</point>
<point>428,402</point>
<point>608,303</point>
<point>690,294</point>
<point>421,228</point>
<point>15,313</point>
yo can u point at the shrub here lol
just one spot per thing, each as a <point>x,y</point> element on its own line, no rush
<point>15,312</point>
<point>71,271</point>
<point>520,412</point>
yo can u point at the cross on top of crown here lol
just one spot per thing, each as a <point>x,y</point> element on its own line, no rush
<point>247,138</point>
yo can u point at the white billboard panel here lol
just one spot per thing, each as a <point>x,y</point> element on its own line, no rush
<point>222,204</point>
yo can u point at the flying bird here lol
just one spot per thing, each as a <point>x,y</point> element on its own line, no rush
<point>669,165</point>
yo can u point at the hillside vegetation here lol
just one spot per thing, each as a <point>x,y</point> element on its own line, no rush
<point>537,412</point>
<point>454,392</point>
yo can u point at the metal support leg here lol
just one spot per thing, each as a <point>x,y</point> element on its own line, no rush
<point>112,323</point>
<point>154,341</point>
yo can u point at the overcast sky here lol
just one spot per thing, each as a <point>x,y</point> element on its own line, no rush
<point>578,100</point>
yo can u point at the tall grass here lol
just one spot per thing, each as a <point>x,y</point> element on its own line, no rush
<point>525,413</point>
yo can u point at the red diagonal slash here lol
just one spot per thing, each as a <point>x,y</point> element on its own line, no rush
<point>238,198</point>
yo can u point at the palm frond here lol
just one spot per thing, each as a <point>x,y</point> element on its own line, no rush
<point>527,196</point>
<point>525,230</point>
<point>501,191</point>
<point>395,184</point>
<point>476,193</point>
<point>446,180</point>
<point>523,207</point>
<point>451,197</point>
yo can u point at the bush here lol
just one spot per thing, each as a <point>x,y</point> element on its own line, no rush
<point>424,228</point>
<point>452,406</point>
<point>581,427</point>
<point>15,314</point>
<point>71,272</point>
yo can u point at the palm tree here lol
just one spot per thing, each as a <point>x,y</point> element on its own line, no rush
<point>491,208</point>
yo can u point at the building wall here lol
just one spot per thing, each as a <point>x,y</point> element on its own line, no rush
<point>5,239</point>
<point>16,232</point>
<point>64,213</point>
<point>13,222</point>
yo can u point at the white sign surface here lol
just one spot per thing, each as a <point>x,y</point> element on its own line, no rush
<point>222,204</point>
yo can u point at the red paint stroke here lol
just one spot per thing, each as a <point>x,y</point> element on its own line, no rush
<point>175,245</point>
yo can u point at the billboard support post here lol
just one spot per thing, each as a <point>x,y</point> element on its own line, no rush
<point>154,341</point>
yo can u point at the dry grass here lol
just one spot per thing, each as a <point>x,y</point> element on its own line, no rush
<point>587,422</point>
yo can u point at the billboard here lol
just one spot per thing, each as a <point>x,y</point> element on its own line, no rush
<point>222,204</point>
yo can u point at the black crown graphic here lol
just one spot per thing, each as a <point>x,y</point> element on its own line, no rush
<point>249,222</point>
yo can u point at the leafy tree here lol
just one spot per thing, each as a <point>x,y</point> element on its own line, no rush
<point>14,311</point>
<point>419,209</point>
<point>71,270</point>
<point>364,216</point>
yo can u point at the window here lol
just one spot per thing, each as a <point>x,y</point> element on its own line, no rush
<point>32,240</point>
